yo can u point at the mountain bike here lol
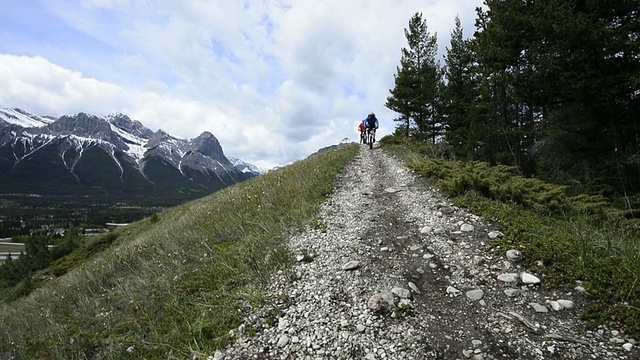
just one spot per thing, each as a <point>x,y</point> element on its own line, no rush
<point>371,137</point>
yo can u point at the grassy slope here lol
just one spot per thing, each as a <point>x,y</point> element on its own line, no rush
<point>172,285</point>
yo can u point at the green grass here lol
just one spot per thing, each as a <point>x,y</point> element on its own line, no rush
<point>172,285</point>
<point>565,237</point>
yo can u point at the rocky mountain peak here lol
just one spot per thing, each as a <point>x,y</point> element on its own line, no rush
<point>112,152</point>
<point>158,138</point>
<point>81,125</point>
<point>133,127</point>
<point>208,145</point>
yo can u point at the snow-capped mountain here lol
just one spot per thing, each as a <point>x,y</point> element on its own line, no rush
<point>247,168</point>
<point>88,154</point>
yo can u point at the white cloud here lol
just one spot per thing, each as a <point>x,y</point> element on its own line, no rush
<point>273,80</point>
<point>36,85</point>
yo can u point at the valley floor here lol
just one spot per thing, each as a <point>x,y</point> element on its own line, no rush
<point>408,244</point>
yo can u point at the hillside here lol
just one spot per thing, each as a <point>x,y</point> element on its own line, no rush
<point>259,270</point>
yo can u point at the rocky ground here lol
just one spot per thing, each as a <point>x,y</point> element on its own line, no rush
<point>394,271</point>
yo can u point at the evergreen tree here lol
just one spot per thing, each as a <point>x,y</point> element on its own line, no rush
<point>503,31</point>
<point>459,96</point>
<point>417,82</point>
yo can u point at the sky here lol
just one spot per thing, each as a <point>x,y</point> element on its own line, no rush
<point>273,80</point>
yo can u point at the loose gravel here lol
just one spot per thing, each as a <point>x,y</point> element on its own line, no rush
<point>393,270</point>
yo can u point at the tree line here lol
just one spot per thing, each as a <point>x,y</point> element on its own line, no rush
<point>550,87</point>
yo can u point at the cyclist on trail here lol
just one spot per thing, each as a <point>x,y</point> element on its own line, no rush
<point>363,130</point>
<point>371,124</point>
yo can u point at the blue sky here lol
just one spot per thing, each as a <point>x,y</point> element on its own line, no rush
<point>274,81</point>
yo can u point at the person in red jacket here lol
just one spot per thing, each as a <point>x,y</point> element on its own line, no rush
<point>363,130</point>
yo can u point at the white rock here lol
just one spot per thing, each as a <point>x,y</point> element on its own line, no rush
<point>495,234</point>
<point>512,292</point>
<point>508,278</point>
<point>567,304</point>
<point>351,265</point>
<point>538,308</point>
<point>453,291</point>
<point>514,255</point>
<point>580,289</point>
<point>466,227</point>
<point>475,295</point>
<point>282,324</point>
<point>426,230</point>
<point>381,301</point>
<point>414,288</point>
<point>529,278</point>
<point>554,305</point>
<point>627,346</point>
<point>283,341</point>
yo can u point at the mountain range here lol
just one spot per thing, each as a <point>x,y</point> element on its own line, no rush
<point>85,154</point>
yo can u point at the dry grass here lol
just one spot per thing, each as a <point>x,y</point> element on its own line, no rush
<point>172,286</point>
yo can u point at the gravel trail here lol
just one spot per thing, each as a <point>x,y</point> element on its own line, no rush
<point>394,271</point>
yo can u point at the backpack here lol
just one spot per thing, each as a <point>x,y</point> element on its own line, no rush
<point>371,121</point>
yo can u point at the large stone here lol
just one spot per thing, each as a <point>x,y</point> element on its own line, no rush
<point>514,255</point>
<point>466,227</point>
<point>508,278</point>
<point>283,341</point>
<point>351,265</point>
<point>426,230</point>
<point>381,302</point>
<point>475,295</point>
<point>439,231</point>
<point>529,278</point>
<point>554,305</point>
<point>447,210</point>
<point>538,308</point>
<point>495,234</point>
<point>566,304</point>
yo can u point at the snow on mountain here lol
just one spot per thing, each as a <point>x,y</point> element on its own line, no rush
<point>113,152</point>
<point>135,143</point>
<point>246,167</point>
<point>24,119</point>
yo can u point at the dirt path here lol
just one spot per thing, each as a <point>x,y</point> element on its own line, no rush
<point>407,239</point>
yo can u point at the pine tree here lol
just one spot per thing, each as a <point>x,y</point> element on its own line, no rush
<point>417,82</point>
<point>459,96</point>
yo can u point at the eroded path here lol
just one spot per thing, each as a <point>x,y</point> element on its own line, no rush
<point>407,237</point>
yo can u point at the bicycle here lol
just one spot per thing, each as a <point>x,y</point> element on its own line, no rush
<point>371,137</point>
